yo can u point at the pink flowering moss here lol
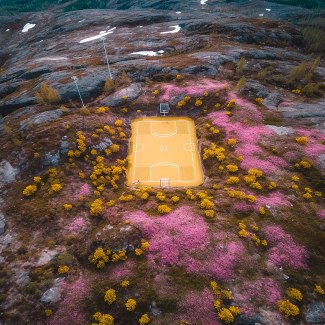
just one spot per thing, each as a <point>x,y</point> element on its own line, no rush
<point>275,199</point>
<point>314,148</point>
<point>85,190</point>
<point>76,225</point>
<point>181,238</point>
<point>191,89</point>
<point>284,251</point>
<point>321,214</point>
<point>122,270</point>
<point>264,291</point>
<point>179,231</point>
<point>197,308</point>
<point>70,309</point>
<point>247,138</point>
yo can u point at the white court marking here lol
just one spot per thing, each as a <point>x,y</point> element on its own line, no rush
<point>165,164</point>
<point>161,135</point>
<point>163,148</point>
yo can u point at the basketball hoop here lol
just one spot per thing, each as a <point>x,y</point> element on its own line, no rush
<point>164,182</point>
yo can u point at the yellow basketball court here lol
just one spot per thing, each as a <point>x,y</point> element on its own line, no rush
<point>163,153</point>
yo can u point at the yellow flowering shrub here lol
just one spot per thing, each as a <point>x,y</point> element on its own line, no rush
<point>261,210</point>
<point>226,294</point>
<point>318,289</point>
<point>302,140</point>
<point>214,151</point>
<point>232,142</point>
<point>156,92</point>
<point>241,225</point>
<point>232,168</point>
<point>214,130</point>
<point>37,179</point>
<point>94,152</point>
<point>138,251</point>
<point>161,196</point>
<point>118,123</point>
<point>296,91</point>
<point>259,100</point>
<point>125,283</point>
<point>209,213</point>
<point>264,242</point>
<point>217,304</point>
<point>231,103</point>
<point>53,172</point>
<point>226,316</point>
<point>126,198</point>
<point>198,102</point>
<point>130,304</point>
<point>255,172</point>
<point>232,180</point>
<point>119,256</point>
<point>179,77</point>
<point>67,206</point>
<point>256,185</point>
<point>115,148</point>
<point>234,310</point>
<point>144,244</point>
<point>295,178</point>
<point>63,269</point>
<point>103,319</point>
<point>54,188</point>
<point>175,199</point>
<point>251,198</point>
<point>272,186</point>
<point>307,196</point>
<point>163,209</point>
<point>243,233</point>
<point>287,308</point>
<point>110,296</point>
<point>206,204</point>
<point>48,312</point>
<point>294,294</point>
<point>96,207</point>
<point>304,164</point>
<point>101,109</point>
<point>144,319</point>
<point>99,258</point>
<point>29,190</point>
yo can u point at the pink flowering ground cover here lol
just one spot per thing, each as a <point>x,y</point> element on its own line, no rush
<point>247,138</point>
<point>182,238</point>
<point>77,225</point>
<point>85,190</point>
<point>314,148</point>
<point>70,309</point>
<point>191,89</point>
<point>321,214</point>
<point>263,290</point>
<point>275,199</point>
<point>197,308</point>
<point>283,250</point>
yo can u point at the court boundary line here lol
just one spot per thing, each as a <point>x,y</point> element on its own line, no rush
<point>162,163</point>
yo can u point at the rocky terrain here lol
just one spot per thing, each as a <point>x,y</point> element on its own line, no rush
<point>71,232</point>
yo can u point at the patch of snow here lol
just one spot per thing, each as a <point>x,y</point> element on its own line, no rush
<point>27,27</point>
<point>268,9</point>
<point>146,53</point>
<point>141,26</point>
<point>177,28</point>
<point>52,58</point>
<point>80,21</point>
<point>161,51</point>
<point>7,30</point>
<point>261,15</point>
<point>100,35</point>
<point>178,12</point>
<point>203,2</point>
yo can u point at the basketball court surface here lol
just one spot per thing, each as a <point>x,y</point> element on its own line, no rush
<point>164,153</point>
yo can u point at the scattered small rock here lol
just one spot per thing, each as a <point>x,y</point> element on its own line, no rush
<point>46,256</point>
<point>7,172</point>
<point>51,158</point>
<point>316,313</point>
<point>51,296</point>
<point>281,130</point>
<point>2,223</point>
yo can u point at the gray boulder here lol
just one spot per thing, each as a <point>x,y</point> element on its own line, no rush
<point>131,92</point>
<point>7,172</point>
<point>22,278</point>
<point>316,313</point>
<point>272,101</point>
<point>51,158</point>
<point>303,110</point>
<point>255,88</point>
<point>2,223</point>
<point>104,144</point>
<point>41,118</point>
<point>281,130</point>
<point>52,295</point>
<point>321,162</point>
